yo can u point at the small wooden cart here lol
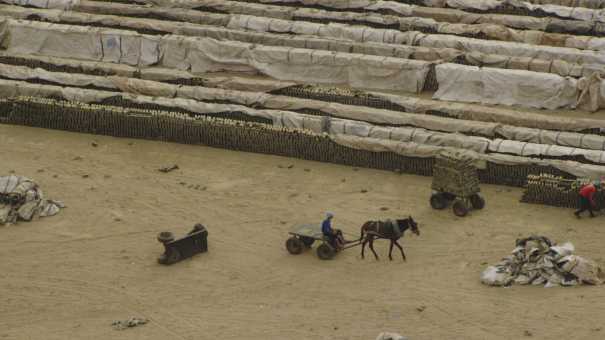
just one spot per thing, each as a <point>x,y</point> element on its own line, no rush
<point>303,237</point>
<point>195,242</point>
<point>456,179</point>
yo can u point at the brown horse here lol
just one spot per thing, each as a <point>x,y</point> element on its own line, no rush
<point>391,230</point>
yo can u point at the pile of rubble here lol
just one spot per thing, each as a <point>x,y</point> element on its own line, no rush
<point>537,260</point>
<point>125,324</point>
<point>390,336</point>
<point>22,199</point>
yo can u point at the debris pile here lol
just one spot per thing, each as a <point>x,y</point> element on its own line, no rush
<point>537,260</point>
<point>390,336</point>
<point>557,191</point>
<point>22,199</point>
<point>132,322</point>
<point>167,169</point>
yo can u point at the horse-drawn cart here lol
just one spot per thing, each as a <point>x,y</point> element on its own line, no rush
<point>455,179</point>
<point>303,237</point>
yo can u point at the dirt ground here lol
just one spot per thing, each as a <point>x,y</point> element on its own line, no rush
<point>69,276</point>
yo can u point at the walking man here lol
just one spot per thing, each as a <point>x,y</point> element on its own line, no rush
<point>587,198</point>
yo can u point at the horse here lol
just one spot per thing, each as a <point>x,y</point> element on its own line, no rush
<point>391,230</point>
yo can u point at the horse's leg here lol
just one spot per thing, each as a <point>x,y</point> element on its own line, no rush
<point>401,248</point>
<point>363,247</point>
<point>372,247</point>
<point>391,250</point>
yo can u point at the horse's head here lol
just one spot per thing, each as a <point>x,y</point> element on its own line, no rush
<point>408,223</point>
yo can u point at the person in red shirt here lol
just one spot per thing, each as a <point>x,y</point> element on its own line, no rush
<point>587,198</point>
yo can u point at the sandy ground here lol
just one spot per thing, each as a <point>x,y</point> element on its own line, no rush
<point>70,276</point>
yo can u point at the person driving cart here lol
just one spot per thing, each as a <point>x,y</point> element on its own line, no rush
<point>334,236</point>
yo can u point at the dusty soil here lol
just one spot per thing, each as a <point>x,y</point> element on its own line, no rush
<point>70,276</point>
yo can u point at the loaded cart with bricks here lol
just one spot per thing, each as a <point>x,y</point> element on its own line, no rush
<point>455,178</point>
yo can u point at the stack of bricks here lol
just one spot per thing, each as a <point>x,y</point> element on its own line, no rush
<point>455,174</point>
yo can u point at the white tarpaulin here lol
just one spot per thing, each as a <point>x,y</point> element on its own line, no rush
<point>412,21</point>
<point>505,87</point>
<point>412,149</point>
<point>87,43</point>
<point>577,13</point>
<point>592,93</point>
<point>372,15</point>
<point>502,115</point>
<point>201,55</point>
<point>293,64</point>
<point>533,149</point>
<point>59,4</point>
<point>463,111</point>
<point>570,139</point>
<point>276,102</point>
<point>361,37</point>
<point>314,123</point>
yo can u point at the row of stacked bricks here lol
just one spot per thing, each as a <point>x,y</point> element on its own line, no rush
<point>557,191</point>
<point>184,128</point>
<point>358,98</point>
<point>337,95</point>
<point>187,128</point>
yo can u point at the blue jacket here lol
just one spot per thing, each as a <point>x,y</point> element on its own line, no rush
<point>326,227</point>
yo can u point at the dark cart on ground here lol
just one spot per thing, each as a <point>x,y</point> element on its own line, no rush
<point>195,242</point>
<point>304,236</point>
<point>455,178</point>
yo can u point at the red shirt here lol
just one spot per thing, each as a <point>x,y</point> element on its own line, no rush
<point>588,191</point>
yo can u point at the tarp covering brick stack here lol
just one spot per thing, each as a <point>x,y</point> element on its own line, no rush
<point>263,100</point>
<point>537,260</point>
<point>206,103</point>
<point>351,80</point>
<point>202,55</point>
<point>423,20</point>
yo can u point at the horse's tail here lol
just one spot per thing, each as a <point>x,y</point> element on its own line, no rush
<point>363,229</point>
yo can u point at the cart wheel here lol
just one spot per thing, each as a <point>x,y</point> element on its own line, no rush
<point>326,251</point>
<point>460,208</point>
<point>165,237</point>
<point>477,202</point>
<point>307,241</point>
<point>438,201</point>
<point>294,245</point>
<point>197,227</point>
